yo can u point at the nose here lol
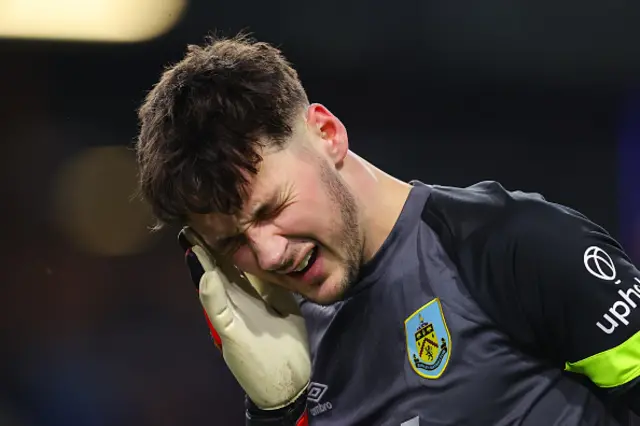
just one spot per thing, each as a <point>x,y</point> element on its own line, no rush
<point>268,247</point>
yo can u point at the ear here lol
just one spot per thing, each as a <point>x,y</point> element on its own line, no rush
<point>329,131</point>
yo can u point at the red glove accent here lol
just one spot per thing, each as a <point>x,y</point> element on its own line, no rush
<point>304,420</point>
<point>216,337</point>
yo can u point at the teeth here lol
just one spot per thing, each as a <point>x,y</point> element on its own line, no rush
<point>304,262</point>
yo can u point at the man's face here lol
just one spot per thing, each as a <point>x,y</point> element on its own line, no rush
<point>298,229</point>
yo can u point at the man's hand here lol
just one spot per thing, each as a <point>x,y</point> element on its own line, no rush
<point>257,326</point>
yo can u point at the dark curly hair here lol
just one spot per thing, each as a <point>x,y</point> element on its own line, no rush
<point>204,124</point>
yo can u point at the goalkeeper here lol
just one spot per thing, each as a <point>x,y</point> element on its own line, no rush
<point>340,295</point>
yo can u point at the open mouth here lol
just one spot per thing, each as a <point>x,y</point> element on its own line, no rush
<point>306,263</point>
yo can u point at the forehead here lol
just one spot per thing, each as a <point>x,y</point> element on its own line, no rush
<point>266,183</point>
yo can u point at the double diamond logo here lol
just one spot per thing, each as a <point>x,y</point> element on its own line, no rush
<point>316,391</point>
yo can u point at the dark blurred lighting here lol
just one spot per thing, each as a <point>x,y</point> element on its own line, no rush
<point>94,204</point>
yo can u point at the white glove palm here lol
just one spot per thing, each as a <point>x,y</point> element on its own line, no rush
<point>262,335</point>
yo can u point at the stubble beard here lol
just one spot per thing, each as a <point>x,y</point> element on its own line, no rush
<point>349,229</point>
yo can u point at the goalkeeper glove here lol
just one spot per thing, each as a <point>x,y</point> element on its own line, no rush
<point>259,329</point>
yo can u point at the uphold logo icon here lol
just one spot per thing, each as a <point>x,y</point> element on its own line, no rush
<point>599,264</point>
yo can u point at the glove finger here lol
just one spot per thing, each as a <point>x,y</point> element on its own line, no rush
<point>214,333</point>
<point>196,263</point>
<point>183,239</point>
<point>195,267</point>
<point>279,299</point>
<point>216,302</point>
<point>237,278</point>
<point>189,239</point>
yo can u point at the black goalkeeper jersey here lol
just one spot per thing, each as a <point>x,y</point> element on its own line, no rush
<point>483,307</point>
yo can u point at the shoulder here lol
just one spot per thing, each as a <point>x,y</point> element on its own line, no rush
<point>488,211</point>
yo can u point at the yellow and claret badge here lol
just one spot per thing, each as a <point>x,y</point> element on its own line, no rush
<point>428,340</point>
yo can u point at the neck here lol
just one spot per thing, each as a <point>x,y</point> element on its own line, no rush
<point>381,198</point>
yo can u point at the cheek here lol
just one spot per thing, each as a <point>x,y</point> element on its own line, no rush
<point>244,259</point>
<point>314,214</point>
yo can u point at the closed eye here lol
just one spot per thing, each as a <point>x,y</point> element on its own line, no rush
<point>273,205</point>
<point>268,211</point>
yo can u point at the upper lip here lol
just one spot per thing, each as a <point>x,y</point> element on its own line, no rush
<point>297,262</point>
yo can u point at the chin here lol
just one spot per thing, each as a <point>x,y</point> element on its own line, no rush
<point>327,293</point>
<point>324,300</point>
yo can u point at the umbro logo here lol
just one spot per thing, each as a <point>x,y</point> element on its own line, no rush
<point>412,422</point>
<point>315,392</point>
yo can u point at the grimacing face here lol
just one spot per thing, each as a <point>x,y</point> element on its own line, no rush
<point>299,227</point>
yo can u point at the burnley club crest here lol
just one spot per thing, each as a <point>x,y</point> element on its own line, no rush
<point>428,340</point>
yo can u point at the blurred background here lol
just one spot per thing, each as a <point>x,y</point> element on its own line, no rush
<point>100,323</point>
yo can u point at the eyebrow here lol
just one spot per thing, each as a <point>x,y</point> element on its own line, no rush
<point>272,199</point>
<point>260,204</point>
